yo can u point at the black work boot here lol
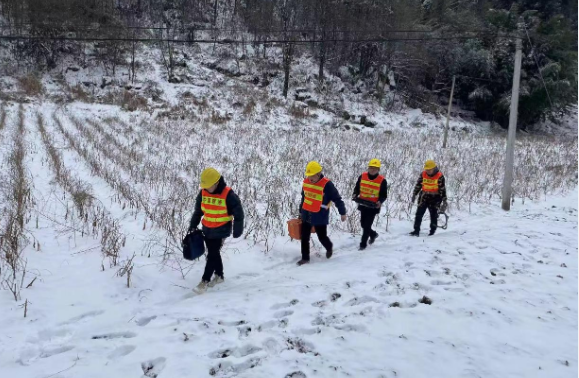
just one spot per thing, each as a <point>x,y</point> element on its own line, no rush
<point>329,253</point>
<point>302,262</point>
<point>362,247</point>
<point>373,238</point>
<point>414,233</point>
<point>432,232</point>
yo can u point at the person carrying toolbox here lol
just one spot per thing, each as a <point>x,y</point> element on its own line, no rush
<point>370,192</point>
<point>222,213</point>
<point>318,193</point>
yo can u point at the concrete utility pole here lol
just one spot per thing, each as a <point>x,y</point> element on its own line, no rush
<point>448,115</point>
<point>510,159</point>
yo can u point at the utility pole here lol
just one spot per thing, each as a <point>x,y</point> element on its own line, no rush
<point>510,158</point>
<point>448,115</point>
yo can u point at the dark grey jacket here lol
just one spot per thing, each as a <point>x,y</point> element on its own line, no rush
<point>233,208</point>
<point>437,197</point>
<point>382,196</point>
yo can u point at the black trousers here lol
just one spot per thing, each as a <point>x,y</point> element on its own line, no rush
<point>366,220</point>
<point>432,204</point>
<point>214,263</point>
<point>321,231</point>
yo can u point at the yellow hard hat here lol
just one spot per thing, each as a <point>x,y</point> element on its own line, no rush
<point>374,163</point>
<point>209,177</point>
<point>429,164</point>
<point>313,168</point>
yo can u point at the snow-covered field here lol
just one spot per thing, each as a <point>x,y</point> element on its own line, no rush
<point>502,286</point>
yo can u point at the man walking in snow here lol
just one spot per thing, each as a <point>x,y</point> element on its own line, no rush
<point>431,191</point>
<point>318,193</point>
<point>370,193</point>
<point>221,211</point>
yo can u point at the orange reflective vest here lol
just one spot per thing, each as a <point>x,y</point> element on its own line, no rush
<point>314,195</point>
<point>370,189</point>
<point>430,184</point>
<point>215,209</point>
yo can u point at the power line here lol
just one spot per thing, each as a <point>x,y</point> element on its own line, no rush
<point>537,63</point>
<point>99,27</point>
<point>232,42</point>
<point>479,78</point>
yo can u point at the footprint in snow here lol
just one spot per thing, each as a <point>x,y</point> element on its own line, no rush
<point>247,275</point>
<point>86,315</point>
<point>281,323</point>
<point>267,325</point>
<point>320,304</point>
<point>328,320</point>
<point>419,286</point>
<point>284,305</point>
<point>454,289</point>
<point>357,301</point>
<point>282,314</point>
<point>27,355</point>
<point>54,351</point>
<point>307,331</point>
<point>235,352</point>
<point>121,351</point>
<point>323,303</point>
<point>432,273</point>
<point>244,331</point>
<point>232,323</point>
<point>227,368</point>
<point>351,327</point>
<point>146,320</point>
<point>296,374</point>
<point>300,345</point>
<point>152,368</point>
<point>497,272</point>
<point>272,346</point>
<point>115,335</point>
<point>51,335</point>
<point>350,284</point>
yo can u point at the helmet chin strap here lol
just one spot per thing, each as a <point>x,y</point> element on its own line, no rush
<point>317,175</point>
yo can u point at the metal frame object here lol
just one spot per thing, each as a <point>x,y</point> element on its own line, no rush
<point>445,223</point>
<point>365,203</point>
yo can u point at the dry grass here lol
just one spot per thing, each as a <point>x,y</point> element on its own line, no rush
<point>31,85</point>
<point>132,101</point>
<point>13,236</point>
<point>2,116</point>
<point>79,191</point>
<point>112,240</point>
<point>299,112</point>
<point>473,166</point>
<point>249,107</point>
<point>127,100</point>
<point>78,93</point>
<point>219,119</point>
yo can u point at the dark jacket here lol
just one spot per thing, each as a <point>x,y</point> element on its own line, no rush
<point>440,196</point>
<point>382,196</point>
<point>322,217</point>
<point>233,208</point>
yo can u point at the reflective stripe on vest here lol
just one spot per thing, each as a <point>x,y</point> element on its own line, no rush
<point>370,189</point>
<point>430,184</point>
<point>214,208</point>
<point>314,195</point>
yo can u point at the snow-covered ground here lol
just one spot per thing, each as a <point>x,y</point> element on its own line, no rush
<point>225,83</point>
<point>503,286</point>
